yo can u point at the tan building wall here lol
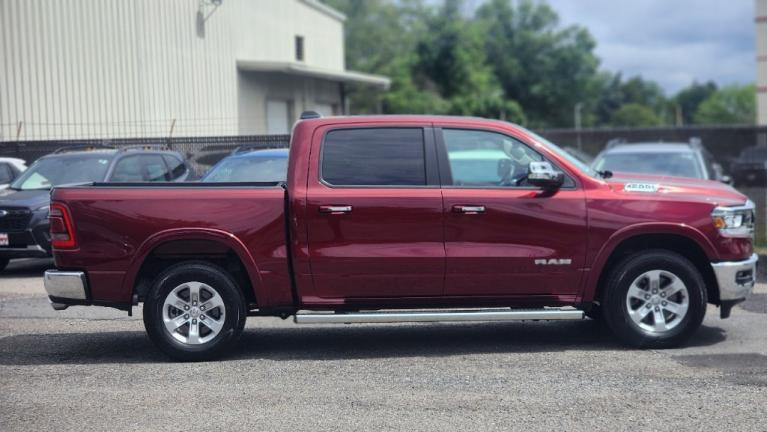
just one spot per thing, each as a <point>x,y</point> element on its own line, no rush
<point>74,69</point>
<point>761,60</point>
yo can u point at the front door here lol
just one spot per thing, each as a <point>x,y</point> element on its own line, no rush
<point>504,237</point>
<point>374,213</point>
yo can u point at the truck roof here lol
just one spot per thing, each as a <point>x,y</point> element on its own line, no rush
<point>395,118</point>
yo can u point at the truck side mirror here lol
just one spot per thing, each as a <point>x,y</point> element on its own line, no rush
<point>543,175</point>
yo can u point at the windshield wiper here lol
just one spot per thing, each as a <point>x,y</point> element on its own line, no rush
<point>605,174</point>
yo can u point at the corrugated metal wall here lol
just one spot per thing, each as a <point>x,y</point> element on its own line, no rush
<point>114,68</point>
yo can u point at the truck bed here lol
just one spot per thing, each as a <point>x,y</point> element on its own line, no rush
<point>118,225</point>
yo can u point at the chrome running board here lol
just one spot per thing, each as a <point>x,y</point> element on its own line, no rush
<point>438,316</point>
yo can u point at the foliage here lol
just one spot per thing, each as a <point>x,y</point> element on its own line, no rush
<point>547,69</point>
<point>634,115</point>
<point>730,105</point>
<point>509,59</point>
<point>688,99</point>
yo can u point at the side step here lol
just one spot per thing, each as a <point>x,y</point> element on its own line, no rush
<point>438,316</point>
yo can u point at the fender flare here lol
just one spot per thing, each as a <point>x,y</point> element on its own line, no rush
<point>629,232</point>
<point>220,236</point>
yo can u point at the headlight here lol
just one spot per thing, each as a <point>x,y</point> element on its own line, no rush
<point>735,221</point>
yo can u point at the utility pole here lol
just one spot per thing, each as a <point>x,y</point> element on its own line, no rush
<point>577,115</point>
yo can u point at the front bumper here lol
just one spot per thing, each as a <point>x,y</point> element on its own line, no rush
<point>65,288</point>
<point>28,251</point>
<point>736,279</point>
<point>33,242</point>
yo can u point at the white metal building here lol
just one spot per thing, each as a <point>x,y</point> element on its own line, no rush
<point>149,68</point>
<point>761,60</point>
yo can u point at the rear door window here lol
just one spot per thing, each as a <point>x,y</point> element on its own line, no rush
<point>374,157</point>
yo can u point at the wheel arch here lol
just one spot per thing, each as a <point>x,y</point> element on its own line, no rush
<point>685,241</point>
<point>194,244</point>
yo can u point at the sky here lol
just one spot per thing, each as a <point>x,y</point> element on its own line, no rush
<point>672,42</point>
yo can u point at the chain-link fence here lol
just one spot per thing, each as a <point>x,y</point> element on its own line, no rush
<point>725,143</point>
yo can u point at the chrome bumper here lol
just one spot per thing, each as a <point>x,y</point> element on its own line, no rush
<point>736,279</point>
<point>65,288</point>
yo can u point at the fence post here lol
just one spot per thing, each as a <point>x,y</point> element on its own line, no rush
<point>18,135</point>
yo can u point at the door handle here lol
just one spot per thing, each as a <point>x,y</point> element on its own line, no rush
<point>469,209</point>
<point>335,209</point>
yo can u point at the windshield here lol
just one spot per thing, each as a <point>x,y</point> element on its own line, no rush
<point>55,171</point>
<point>562,153</point>
<point>671,164</point>
<point>249,169</point>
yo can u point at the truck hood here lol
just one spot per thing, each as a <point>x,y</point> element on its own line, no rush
<point>683,188</point>
<point>31,199</point>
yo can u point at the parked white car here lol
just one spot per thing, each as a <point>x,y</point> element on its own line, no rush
<point>10,168</point>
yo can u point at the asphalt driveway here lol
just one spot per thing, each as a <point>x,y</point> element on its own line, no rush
<point>92,368</point>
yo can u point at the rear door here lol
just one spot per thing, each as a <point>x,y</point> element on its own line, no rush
<point>374,213</point>
<point>504,237</point>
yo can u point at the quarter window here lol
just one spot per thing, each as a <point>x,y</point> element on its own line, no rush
<point>374,157</point>
<point>480,158</point>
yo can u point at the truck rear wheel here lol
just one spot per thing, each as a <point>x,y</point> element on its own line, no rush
<point>194,311</point>
<point>654,299</point>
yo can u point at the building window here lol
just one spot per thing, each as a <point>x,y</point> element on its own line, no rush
<point>299,48</point>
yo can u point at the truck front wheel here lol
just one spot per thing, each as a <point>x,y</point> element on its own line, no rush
<point>194,311</point>
<point>654,299</point>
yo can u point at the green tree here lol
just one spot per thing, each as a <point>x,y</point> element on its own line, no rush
<point>381,37</point>
<point>546,68</point>
<point>634,115</point>
<point>730,105</point>
<point>688,99</point>
<point>451,60</point>
<point>614,95</point>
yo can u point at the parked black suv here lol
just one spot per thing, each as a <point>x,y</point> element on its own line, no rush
<point>24,205</point>
<point>750,168</point>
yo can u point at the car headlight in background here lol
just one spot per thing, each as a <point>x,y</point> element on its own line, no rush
<point>45,209</point>
<point>735,221</point>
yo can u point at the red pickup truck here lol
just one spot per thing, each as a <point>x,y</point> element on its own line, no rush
<point>405,219</point>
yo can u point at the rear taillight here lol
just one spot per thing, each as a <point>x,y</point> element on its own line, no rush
<point>62,233</point>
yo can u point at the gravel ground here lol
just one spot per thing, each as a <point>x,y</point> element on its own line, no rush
<point>94,369</point>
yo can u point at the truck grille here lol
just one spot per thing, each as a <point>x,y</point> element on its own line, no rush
<point>14,220</point>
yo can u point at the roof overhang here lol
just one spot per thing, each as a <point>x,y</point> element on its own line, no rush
<point>300,69</point>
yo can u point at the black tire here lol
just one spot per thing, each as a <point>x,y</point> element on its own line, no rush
<point>616,311</point>
<point>213,276</point>
<point>4,263</point>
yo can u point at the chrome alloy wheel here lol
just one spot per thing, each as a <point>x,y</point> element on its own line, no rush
<point>193,313</point>
<point>657,301</point>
